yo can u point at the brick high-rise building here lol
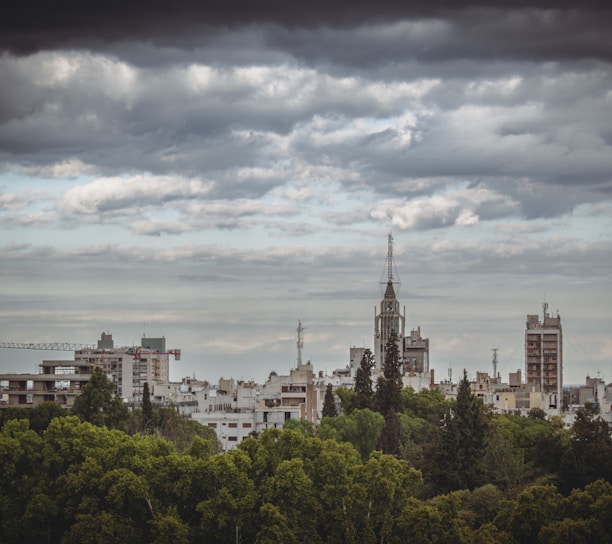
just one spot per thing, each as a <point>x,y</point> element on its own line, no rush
<point>544,354</point>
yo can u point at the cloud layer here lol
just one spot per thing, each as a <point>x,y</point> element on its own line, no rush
<point>242,168</point>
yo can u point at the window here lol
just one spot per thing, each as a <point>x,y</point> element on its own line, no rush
<point>246,425</point>
<point>232,439</point>
<point>213,425</point>
<point>232,425</point>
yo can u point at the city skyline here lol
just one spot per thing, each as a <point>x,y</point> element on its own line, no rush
<point>214,174</point>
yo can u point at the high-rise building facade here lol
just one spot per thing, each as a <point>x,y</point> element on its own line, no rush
<point>544,354</point>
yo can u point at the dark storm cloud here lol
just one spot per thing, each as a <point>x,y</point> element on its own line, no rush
<point>397,101</point>
<point>539,28</point>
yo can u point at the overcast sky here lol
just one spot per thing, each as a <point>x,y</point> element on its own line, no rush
<point>214,172</point>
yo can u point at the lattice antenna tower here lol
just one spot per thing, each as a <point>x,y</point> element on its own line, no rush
<point>300,342</point>
<point>391,278</point>
<point>494,350</point>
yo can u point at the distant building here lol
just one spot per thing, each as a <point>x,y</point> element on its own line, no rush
<point>544,356</point>
<point>413,349</point>
<point>60,380</point>
<point>130,367</point>
<point>237,410</point>
<point>288,397</point>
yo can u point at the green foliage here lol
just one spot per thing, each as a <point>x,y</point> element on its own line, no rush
<point>147,408</point>
<point>429,404</point>
<point>502,463</point>
<point>589,456</point>
<point>537,413</point>
<point>361,428</point>
<point>534,508</point>
<point>78,482</point>
<point>98,404</point>
<point>364,386</point>
<point>346,396</point>
<point>166,423</point>
<point>39,417</point>
<point>66,479</point>
<point>462,443</point>
<point>388,397</point>
<point>329,403</point>
<point>307,428</point>
<point>389,386</point>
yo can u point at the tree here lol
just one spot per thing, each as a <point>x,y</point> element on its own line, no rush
<point>329,404</point>
<point>147,408</point>
<point>383,485</point>
<point>361,428</point>
<point>537,413</point>
<point>502,463</point>
<point>533,508</point>
<point>389,397</point>
<point>364,390</point>
<point>346,396</point>
<point>98,404</point>
<point>462,443</point>
<point>589,456</point>
<point>389,385</point>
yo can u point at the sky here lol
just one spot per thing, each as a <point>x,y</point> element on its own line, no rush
<point>214,172</point>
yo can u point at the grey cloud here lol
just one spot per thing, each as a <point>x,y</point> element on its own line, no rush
<point>70,24</point>
<point>499,122</point>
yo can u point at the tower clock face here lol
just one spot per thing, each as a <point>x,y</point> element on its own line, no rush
<point>389,306</point>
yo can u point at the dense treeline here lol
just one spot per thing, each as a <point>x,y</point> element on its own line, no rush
<point>459,474</point>
<point>77,482</point>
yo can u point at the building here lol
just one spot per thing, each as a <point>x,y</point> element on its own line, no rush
<point>544,356</point>
<point>59,380</point>
<point>389,320</point>
<point>413,349</point>
<point>289,397</point>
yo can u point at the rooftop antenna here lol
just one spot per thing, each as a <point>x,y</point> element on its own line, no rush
<point>300,342</point>
<point>494,350</point>
<point>545,309</point>
<point>390,258</point>
<point>390,278</point>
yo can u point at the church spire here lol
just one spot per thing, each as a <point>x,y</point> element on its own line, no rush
<point>390,318</point>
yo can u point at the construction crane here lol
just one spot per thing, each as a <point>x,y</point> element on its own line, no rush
<point>49,346</point>
<point>136,351</point>
<point>139,352</point>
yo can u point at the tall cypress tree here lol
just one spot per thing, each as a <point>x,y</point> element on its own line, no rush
<point>329,403</point>
<point>462,443</point>
<point>364,390</point>
<point>147,408</point>
<point>389,396</point>
<point>389,385</point>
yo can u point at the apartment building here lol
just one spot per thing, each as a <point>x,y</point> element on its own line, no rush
<point>544,355</point>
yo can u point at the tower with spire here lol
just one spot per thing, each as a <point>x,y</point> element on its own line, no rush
<point>389,318</point>
<point>413,348</point>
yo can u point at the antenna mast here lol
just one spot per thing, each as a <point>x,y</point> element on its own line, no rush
<point>300,342</point>
<point>494,350</point>
<point>390,259</point>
